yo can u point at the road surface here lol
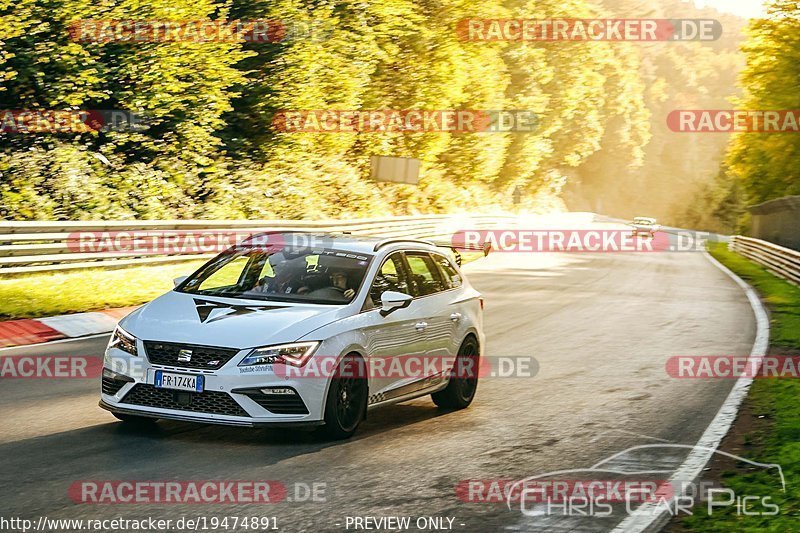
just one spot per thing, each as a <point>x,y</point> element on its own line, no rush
<point>600,325</point>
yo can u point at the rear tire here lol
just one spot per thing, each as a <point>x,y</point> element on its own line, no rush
<point>460,391</point>
<point>346,403</point>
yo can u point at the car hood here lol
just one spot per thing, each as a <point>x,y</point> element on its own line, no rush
<point>228,322</point>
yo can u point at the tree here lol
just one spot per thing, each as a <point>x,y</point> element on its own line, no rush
<point>767,162</point>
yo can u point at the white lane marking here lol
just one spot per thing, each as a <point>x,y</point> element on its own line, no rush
<point>48,343</point>
<point>646,517</point>
<point>80,324</point>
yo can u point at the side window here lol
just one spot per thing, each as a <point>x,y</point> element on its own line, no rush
<point>452,279</point>
<point>425,277</point>
<point>389,278</point>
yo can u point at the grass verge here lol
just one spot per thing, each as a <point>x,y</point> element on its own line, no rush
<point>91,289</point>
<point>768,427</point>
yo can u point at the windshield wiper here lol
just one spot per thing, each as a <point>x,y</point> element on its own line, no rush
<point>224,294</point>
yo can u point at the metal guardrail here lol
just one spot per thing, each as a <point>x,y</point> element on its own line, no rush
<point>783,262</point>
<point>49,246</point>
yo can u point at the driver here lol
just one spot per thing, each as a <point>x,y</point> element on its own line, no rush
<point>339,281</point>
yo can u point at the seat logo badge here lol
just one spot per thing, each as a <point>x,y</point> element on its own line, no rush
<point>184,356</point>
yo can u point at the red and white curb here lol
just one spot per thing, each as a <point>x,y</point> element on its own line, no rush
<point>37,330</point>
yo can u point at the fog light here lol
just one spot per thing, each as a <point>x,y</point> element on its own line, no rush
<point>110,374</point>
<point>279,391</point>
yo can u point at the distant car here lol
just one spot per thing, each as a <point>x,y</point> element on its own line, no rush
<point>221,347</point>
<point>644,226</point>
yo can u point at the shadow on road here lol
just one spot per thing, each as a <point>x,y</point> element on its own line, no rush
<point>125,450</point>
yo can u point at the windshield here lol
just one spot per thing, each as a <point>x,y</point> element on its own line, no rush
<point>317,276</point>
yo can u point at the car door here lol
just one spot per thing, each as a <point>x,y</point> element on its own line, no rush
<point>453,302</point>
<point>392,340</point>
<point>434,302</point>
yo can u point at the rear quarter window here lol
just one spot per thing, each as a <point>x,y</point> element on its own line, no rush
<point>452,279</point>
<point>425,276</point>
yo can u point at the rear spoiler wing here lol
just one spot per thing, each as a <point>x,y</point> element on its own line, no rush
<point>457,248</point>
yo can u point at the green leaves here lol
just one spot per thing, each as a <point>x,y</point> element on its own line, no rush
<point>767,163</point>
<point>211,149</point>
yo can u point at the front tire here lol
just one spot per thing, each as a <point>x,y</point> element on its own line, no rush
<point>460,391</point>
<point>346,403</point>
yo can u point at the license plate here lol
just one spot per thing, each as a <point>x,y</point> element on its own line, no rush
<point>187,382</point>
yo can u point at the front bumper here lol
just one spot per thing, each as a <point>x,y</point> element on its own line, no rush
<point>228,396</point>
<point>186,417</point>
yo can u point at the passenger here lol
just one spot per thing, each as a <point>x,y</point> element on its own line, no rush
<point>283,280</point>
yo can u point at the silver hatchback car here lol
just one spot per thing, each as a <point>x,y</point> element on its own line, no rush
<point>300,335</point>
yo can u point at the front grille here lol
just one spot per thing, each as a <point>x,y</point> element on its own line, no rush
<point>280,404</point>
<point>204,357</point>
<point>217,403</point>
<point>112,386</point>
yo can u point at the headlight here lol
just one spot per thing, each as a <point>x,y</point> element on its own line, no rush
<point>295,354</point>
<point>122,340</point>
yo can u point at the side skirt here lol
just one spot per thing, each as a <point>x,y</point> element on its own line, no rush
<point>407,392</point>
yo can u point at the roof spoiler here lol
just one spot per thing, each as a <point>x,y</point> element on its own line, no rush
<point>457,248</point>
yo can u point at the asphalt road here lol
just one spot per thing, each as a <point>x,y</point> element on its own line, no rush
<point>600,325</point>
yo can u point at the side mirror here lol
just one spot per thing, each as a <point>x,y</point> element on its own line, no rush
<point>393,300</point>
<point>178,281</point>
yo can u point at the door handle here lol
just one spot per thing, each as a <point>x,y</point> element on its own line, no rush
<point>455,317</point>
<point>421,326</point>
